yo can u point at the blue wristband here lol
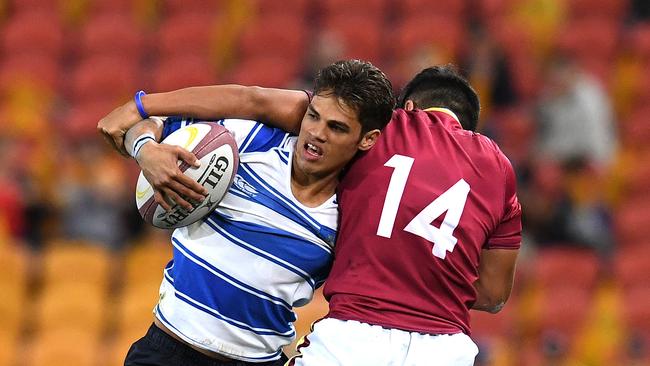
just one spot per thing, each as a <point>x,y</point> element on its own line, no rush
<point>138,104</point>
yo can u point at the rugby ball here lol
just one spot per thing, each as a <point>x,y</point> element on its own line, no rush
<point>215,147</point>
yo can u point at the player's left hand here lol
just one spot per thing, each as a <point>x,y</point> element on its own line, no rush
<point>114,125</point>
<point>159,164</point>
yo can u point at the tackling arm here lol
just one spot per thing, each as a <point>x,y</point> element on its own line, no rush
<point>496,276</point>
<point>278,107</point>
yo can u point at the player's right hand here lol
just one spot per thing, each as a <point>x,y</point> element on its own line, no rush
<point>114,125</point>
<point>159,164</point>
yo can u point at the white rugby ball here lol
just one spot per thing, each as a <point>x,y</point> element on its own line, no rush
<point>217,150</point>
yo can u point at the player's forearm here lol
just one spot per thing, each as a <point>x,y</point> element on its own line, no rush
<point>489,300</point>
<point>153,126</point>
<point>280,108</point>
<point>495,278</point>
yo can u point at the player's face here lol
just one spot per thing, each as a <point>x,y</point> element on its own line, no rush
<point>330,135</point>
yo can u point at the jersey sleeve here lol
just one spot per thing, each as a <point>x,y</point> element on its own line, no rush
<point>507,234</point>
<point>250,136</point>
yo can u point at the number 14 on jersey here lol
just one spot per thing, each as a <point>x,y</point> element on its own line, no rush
<point>452,201</point>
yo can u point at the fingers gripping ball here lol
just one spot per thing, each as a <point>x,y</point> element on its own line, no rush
<point>216,149</point>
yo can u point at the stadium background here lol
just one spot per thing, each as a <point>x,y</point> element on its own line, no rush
<point>564,90</point>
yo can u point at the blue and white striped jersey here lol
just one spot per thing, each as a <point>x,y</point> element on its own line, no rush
<point>236,274</point>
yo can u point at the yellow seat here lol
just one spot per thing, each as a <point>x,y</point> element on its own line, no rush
<point>8,346</point>
<point>80,307</point>
<point>67,347</point>
<point>135,309</point>
<point>144,263</point>
<point>76,262</point>
<point>13,286</point>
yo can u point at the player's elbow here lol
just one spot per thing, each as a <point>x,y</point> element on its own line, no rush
<point>490,304</point>
<point>491,308</point>
<point>491,300</point>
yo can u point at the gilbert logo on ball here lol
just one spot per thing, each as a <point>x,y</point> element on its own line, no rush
<point>215,147</point>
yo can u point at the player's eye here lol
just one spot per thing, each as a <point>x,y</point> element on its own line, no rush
<point>338,127</point>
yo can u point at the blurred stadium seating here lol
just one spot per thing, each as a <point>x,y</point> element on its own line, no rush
<point>64,64</point>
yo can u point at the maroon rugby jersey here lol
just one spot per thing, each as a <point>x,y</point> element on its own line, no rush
<point>415,212</point>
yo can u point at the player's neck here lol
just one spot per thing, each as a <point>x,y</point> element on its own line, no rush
<point>312,190</point>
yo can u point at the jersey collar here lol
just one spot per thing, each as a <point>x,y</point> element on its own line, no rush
<point>446,111</point>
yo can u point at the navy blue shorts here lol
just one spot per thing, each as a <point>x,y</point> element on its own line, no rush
<point>158,348</point>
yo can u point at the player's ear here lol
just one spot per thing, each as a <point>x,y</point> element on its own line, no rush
<point>409,105</point>
<point>368,140</point>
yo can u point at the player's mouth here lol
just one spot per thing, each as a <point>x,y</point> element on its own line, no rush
<point>312,152</point>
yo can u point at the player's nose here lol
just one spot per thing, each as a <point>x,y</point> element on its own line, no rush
<point>318,131</point>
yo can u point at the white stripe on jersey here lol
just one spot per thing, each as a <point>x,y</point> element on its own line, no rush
<point>279,196</point>
<point>237,273</point>
<point>231,207</point>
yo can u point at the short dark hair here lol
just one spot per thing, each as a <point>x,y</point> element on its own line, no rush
<point>361,86</point>
<point>442,86</point>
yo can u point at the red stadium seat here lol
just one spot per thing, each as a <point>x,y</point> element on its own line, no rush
<point>636,129</point>
<point>631,222</point>
<point>488,9</point>
<point>281,35</point>
<point>579,38</point>
<point>186,34</point>
<point>360,36</point>
<point>449,8</point>
<point>176,7</point>
<point>20,69</point>
<point>442,32</point>
<point>582,34</point>
<point>39,34</point>
<point>563,311</point>
<point>81,120</point>
<point>111,7</point>
<point>112,35</point>
<point>515,131</point>
<point>604,9</point>
<point>640,40</point>
<point>566,267</point>
<point>526,73</point>
<point>374,9</point>
<point>299,8</point>
<point>24,6</point>
<point>631,266</point>
<point>181,71</point>
<point>265,71</point>
<point>104,78</point>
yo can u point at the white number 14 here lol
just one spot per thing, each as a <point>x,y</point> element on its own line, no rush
<point>451,201</point>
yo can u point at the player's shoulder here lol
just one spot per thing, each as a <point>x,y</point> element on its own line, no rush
<point>255,136</point>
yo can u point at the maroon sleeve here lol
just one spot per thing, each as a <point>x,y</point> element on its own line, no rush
<point>507,234</point>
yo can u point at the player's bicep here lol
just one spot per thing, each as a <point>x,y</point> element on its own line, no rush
<point>282,108</point>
